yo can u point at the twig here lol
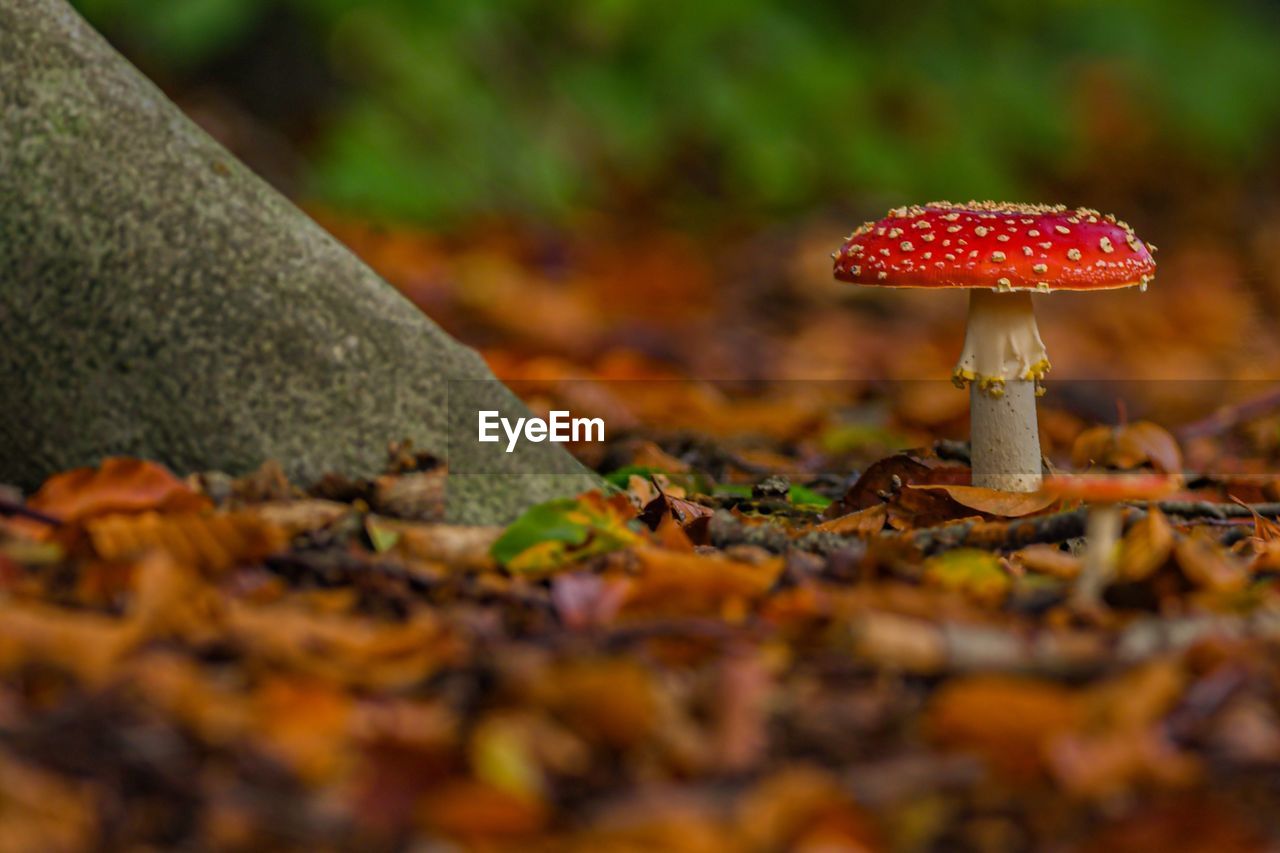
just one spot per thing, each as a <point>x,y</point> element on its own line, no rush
<point>999,535</point>
<point>1228,417</point>
<point>993,535</point>
<point>9,506</point>
<point>1221,511</point>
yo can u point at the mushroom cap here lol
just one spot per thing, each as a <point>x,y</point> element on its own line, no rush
<point>996,245</point>
<point>1111,488</point>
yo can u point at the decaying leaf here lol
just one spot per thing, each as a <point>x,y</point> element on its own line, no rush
<point>671,583</point>
<point>559,532</point>
<point>1011,722</point>
<point>863,522</point>
<point>974,572</point>
<point>1145,547</point>
<point>118,485</point>
<point>1049,560</point>
<point>1209,565</point>
<point>1128,446</point>
<point>993,501</point>
<point>213,542</point>
<point>916,467</point>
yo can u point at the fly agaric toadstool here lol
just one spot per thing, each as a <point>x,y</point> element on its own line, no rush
<point>1104,493</point>
<point>1002,253</point>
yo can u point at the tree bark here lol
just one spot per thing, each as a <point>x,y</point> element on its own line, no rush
<point>157,299</point>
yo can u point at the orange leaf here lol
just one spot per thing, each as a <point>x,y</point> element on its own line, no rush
<point>211,542</point>
<point>1145,547</point>
<point>118,485</point>
<point>469,809</point>
<point>1049,560</point>
<point>1009,721</point>
<point>672,583</point>
<point>909,468</point>
<point>864,522</point>
<point>1128,446</point>
<point>1210,566</point>
<point>994,502</point>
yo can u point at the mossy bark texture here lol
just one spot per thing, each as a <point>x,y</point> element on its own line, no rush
<point>158,299</point>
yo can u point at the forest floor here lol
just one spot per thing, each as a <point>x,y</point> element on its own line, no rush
<point>780,631</point>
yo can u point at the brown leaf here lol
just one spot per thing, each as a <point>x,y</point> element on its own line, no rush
<point>910,468</point>
<point>474,810</point>
<point>211,542</point>
<point>683,511</point>
<point>670,583</point>
<point>1110,764</point>
<point>584,600</point>
<point>610,701</point>
<point>1009,721</point>
<point>87,645</point>
<point>296,517</point>
<point>863,522</point>
<point>45,811</point>
<point>347,650</point>
<point>1049,560</point>
<point>418,495</point>
<point>461,547</point>
<point>995,502</point>
<point>1145,547</point>
<point>744,685</point>
<point>118,485</point>
<point>803,808</point>
<point>1129,446</point>
<point>1210,566</point>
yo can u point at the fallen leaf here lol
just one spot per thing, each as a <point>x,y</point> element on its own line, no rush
<point>913,467</point>
<point>670,582</point>
<point>212,542</point>
<point>1010,721</point>
<point>1129,446</point>
<point>118,485</point>
<point>803,808</point>
<point>863,522</point>
<point>1209,565</point>
<point>460,547</point>
<point>683,511</point>
<point>995,502</point>
<point>977,573</point>
<point>1145,547</point>
<point>559,532</point>
<point>475,810</point>
<point>587,600</point>
<point>611,701</point>
<point>1049,560</point>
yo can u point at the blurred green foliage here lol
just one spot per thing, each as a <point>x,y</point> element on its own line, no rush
<point>454,108</point>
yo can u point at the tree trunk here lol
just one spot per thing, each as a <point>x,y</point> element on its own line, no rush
<point>157,299</point>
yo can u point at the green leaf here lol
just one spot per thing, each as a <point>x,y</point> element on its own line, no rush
<point>563,531</point>
<point>802,496</point>
<point>622,476</point>
<point>381,537</point>
<point>970,570</point>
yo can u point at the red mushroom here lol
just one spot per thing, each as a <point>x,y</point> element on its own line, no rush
<point>1002,253</point>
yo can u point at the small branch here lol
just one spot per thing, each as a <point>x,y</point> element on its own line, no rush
<point>1229,417</point>
<point>9,506</point>
<point>998,535</point>
<point>1221,511</point>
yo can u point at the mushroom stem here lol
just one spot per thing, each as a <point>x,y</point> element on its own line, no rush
<point>1003,361</point>
<point>1004,439</point>
<point>1101,533</point>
